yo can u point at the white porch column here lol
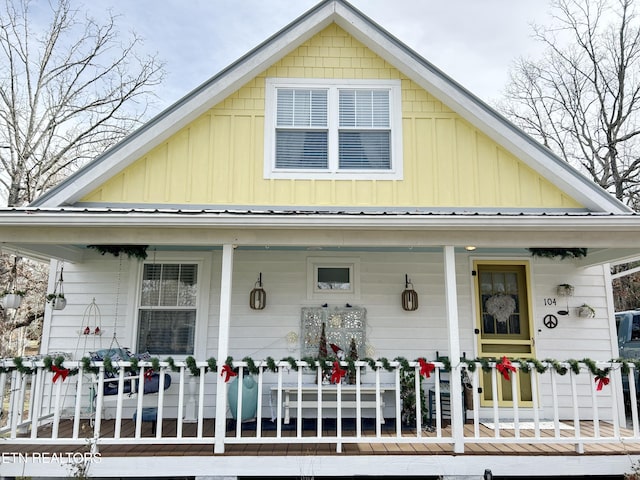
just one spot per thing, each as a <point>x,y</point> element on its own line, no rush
<point>451,296</point>
<point>223,345</point>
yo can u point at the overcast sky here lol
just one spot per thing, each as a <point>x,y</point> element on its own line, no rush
<point>474,41</point>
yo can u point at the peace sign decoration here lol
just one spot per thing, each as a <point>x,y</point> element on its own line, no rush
<point>550,321</point>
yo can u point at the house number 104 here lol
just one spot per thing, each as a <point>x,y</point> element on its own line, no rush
<point>549,301</point>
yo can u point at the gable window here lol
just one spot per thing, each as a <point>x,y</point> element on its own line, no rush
<point>167,310</point>
<point>332,129</point>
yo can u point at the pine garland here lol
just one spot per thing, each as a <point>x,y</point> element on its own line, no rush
<point>213,366</point>
<point>271,365</point>
<point>311,363</point>
<point>575,366</point>
<point>251,366</point>
<point>192,366</point>
<point>526,364</point>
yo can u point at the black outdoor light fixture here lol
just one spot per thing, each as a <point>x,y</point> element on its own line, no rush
<point>409,296</point>
<point>258,297</point>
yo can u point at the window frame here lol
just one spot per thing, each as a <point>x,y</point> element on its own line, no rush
<point>315,263</point>
<point>203,265</point>
<point>333,87</point>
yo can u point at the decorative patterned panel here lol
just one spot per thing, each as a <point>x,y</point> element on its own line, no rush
<point>341,325</point>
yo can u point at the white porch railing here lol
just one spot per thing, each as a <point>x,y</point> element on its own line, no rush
<point>74,410</point>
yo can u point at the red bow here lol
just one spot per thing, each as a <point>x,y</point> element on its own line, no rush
<point>337,373</point>
<point>59,372</point>
<point>426,368</point>
<point>505,367</point>
<point>148,374</point>
<point>602,381</point>
<point>226,370</point>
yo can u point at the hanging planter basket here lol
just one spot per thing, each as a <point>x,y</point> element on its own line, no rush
<point>56,299</point>
<point>586,311</point>
<point>59,303</point>
<point>12,297</point>
<point>565,290</point>
<point>12,300</point>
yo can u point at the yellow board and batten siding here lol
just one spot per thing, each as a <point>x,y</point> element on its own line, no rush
<point>218,159</point>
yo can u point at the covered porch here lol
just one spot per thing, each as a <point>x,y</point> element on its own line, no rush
<point>564,410</point>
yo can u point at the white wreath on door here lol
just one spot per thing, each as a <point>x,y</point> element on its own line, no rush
<point>500,306</point>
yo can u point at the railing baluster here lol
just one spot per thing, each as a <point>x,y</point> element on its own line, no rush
<point>35,403</point>
<point>320,417</point>
<point>3,386</point>
<point>475,381</point>
<point>418,389</point>
<point>49,394</point>
<point>614,404</point>
<point>339,417</point>
<point>438,400</point>
<point>515,400</point>
<point>633,399</point>
<point>595,410</point>
<point>534,376</point>
<point>378,418</point>
<point>494,393</point>
<point>358,400</point>
<point>554,400</point>
<point>21,397</point>
<point>180,414</point>
<point>77,411</point>
<point>201,403</point>
<point>239,385</point>
<point>13,402</point>
<point>98,400</point>
<point>576,413</point>
<point>398,406</point>
<point>259,412</point>
<point>119,402</point>
<point>32,387</point>
<point>299,406</point>
<point>140,403</point>
<point>160,404</point>
<point>56,412</point>
<point>279,404</point>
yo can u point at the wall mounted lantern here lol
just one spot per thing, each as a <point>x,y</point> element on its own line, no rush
<point>409,296</point>
<point>258,297</point>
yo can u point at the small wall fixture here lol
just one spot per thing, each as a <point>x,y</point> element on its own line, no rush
<point>258,297</point>
<point>409,296</point>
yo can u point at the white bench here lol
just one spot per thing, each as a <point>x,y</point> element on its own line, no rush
<point>309,399</point>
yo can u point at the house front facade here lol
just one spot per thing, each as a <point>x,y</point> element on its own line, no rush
<point>330,200</point>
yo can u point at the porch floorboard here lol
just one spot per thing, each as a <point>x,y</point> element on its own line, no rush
<point>390,447</point>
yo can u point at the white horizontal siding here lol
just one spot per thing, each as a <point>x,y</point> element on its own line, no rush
<point>391,332</point>
<point>574,337</point>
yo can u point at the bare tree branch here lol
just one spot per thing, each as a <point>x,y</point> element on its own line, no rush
<point>583,97</point>
<point>67,92</point>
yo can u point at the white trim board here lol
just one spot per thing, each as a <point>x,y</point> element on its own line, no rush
<point>550,425</point>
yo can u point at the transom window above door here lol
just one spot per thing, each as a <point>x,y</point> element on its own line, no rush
<point>330,129</point>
